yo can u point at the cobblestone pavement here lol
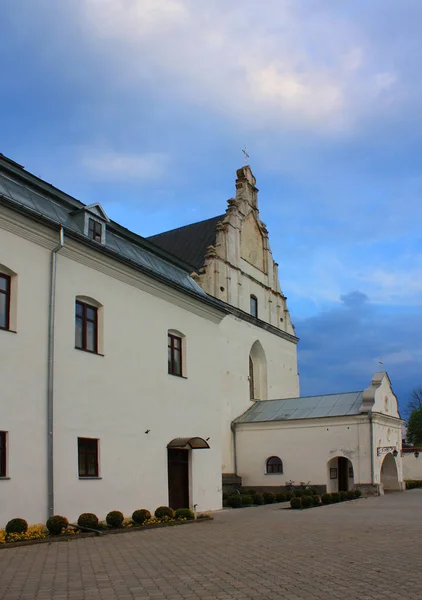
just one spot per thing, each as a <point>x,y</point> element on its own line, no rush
<point>367,549</point>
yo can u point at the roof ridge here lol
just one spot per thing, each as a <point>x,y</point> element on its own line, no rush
<point>311,396</point>
<point>186,226</point>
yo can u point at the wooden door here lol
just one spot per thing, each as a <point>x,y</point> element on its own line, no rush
<point>178,476</point>
<point>343,474</point>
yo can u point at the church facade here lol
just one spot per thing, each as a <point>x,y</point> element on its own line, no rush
<point>133,370</point>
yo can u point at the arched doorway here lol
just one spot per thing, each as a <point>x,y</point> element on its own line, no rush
<point>340,474</point>
<point>389,474</point>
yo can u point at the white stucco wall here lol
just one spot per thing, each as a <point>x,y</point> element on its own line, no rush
<point>238,336</point>
<point>305,446</point>
<point>115,397</point>
<point>412,465</point>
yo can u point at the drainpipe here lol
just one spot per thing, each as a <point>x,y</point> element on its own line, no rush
<point>233,428</point>
<point>372,447</point>
<point>50,374</point>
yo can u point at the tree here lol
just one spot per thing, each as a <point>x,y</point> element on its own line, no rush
<point>415,400</point>
<point>414,427</point>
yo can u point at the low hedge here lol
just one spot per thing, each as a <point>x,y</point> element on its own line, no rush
<point>246,500</point>
<point>235,501</point>
<point>316,500</point>
<point>412,484</point>
<point>335,496</point>
<point>289,495</point>
<point>269,497</point>
<point>164,511</point>
<point>115,518</point>
<point>280,497</point>
<point>140,516</point>
<point>326,499</point>
<point>258,499</point>
<point>88,520</point>
<point>184,513</point>
<point>306,501</point>
<point>296,503</point>
<point>343,496</point>
<point>57,524</point>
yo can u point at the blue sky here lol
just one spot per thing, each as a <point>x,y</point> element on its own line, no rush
<point>145,105</point>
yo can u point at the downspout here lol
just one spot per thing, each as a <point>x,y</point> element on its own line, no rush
<point>233,428</point>
<point>372,446</point>
<point>50,374</point>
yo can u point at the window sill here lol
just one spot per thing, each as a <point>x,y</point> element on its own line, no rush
<point>5,478</point>
<point>176,375</point>
<point>82,477</point>
<point>273,473</point>
<point>89,351</point>
<point>8,330</point>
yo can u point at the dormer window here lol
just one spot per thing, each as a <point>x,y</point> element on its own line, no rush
<point>95,230</point>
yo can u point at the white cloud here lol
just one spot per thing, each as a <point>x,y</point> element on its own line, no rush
<point>282,66</point>
<point>111,166</point>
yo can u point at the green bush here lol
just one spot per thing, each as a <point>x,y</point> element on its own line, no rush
<point>225,496</point>
<point>280,497</point>
<point>351,495</point>
<point>88,520</point>
<point>234,500</point>
<point>306,501</point>
<point>249,492</point>
<point>326,499</point>
<point>115,518</point>
<point>56,524</point>
<point>298,493</point>
<point>246,500</point>
<point>289,495</point>
<point>343,496</point>
<point>316,500</point>
<point>309,492</point>
<point>411,484</point>
<point>296,503</point>
<point>336,497</point>
<point>140,516</point>
<point>17,526</point>
<point>184,513</point>
<point>269,497</point>
<point>357,493</point>
<point>164,511</point>
<point>258,499</point>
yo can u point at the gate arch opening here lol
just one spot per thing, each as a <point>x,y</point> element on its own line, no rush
<point>389,474</point>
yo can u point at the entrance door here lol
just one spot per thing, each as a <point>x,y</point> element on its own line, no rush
<point>343,474</point>
<point>178,475</point>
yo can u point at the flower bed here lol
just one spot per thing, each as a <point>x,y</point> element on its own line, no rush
<point>39,533</point>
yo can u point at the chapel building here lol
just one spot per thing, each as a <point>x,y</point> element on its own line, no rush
<point>143,372</point>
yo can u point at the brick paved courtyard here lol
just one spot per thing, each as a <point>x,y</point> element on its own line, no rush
<point>366,549</point>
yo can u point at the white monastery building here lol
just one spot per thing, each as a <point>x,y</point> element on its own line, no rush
<point>143,372</point>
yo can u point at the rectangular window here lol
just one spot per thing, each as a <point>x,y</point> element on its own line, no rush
<point>254,306</point>
<point>86,327</point>
<point>174,354</point>
<point>95,230</point>
<point>88,457</point>
<point>4,301</point>
<point>2,454</point>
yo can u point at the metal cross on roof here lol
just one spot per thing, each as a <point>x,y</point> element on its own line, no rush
<point>380,362</point>
<point>246,155</point>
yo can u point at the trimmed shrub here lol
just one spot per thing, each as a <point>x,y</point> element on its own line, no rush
<point>164,511</point>
<point>258,499</point>
<point>234,500</point>
<point>289,495</point>
<point>358,493</point>
<point>140,516</point>
<point>326,499</point>
<point>412,484</point>
<point>269,497</point>
<point>296,503</point>
<point>115,518</point>
<point>343,496</point>
<point>246,500</point>
<point>249,492</point>
<point>184,513</point>
<point>336,497</point>
<point>280,497</point>
<point>56,524</point>
<point>309,492</point>
<point>316,500</point>
<point>351,495</point>
<point>225,496</point>
<point>88,520</point>
<point>298,493</point>
<point>17,526</point>
<point>306,501</point>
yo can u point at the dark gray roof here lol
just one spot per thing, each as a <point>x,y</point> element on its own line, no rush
<point>189,243</point>
<point>308,407</point>
<point>22,190</point>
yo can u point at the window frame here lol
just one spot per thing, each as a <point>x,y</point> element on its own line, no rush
<point>269,468</point>
<point>83,441</point>
<point>251,379</point>
<point>171,338</point>
<point>85,320</point>
<point>6,293</point>
<point>3,453</point>
<point>95,231</point>
<point>253,300</point>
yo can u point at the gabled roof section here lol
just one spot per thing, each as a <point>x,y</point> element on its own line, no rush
<point>37,199</point>
<point>308,407</point>
<point>96,210</point>
<point>189,243</point>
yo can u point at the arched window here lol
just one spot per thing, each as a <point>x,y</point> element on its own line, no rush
<point>254,306</point>
<point>274,465</point>
<point>257,372</point>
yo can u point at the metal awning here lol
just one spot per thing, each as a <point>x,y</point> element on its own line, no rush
<point>192,443</point>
